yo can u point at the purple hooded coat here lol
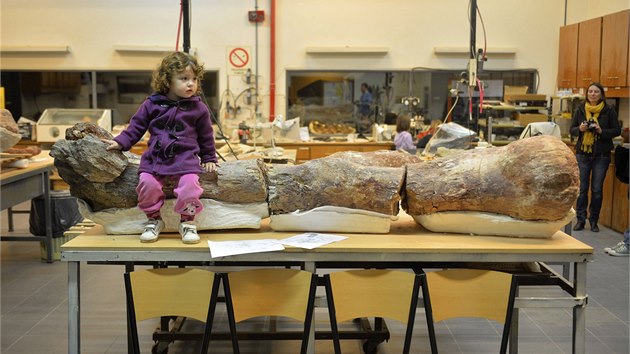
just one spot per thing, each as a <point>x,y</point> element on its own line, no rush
<point>181,135</point>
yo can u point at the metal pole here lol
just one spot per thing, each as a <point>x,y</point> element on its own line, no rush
<point>94,89</point>
<point>186,15</point>
<point>256,78</point>
<point>473,28</point>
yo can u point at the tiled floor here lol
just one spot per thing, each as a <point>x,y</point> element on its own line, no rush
<point>34,312</point>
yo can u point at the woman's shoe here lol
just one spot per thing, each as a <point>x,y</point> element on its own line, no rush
<point>594,227</point>
<point>579,226</point>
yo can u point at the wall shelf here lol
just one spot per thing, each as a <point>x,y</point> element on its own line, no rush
<point>142,48</point>
<point>347,50</point>
<point>52,49</point>
<point>465,50</point>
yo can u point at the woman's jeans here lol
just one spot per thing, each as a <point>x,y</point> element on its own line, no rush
<point>592,169</point>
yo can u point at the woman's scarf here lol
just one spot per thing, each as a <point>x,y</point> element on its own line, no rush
<point>592,113</point>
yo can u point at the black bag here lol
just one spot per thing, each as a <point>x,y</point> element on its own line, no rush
<point>64,214</point>
<point>621,163</point>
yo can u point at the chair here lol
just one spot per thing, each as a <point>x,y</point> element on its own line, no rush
<point>458,293</point>
<point>372,293</point>
<point>187,292</point>
<point>270,292</point>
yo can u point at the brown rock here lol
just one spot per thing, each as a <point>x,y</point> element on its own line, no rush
<point>530,179</point>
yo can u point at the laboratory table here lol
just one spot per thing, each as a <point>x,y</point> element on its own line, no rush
<point>23,184</point>
<point>407,243</point>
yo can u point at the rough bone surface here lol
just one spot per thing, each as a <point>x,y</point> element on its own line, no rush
<point>530,179</point>
<point>343,180</point>
<point>88,159</point>
<point>380,158</point>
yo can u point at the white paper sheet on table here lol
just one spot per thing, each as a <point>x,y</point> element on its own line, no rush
<point>310,240</point>
<point>231,248</point>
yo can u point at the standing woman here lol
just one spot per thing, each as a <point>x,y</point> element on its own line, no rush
<point>595,123</point>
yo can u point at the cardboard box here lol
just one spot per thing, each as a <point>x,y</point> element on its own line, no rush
<point>526,100</point>
<point>526,118</point>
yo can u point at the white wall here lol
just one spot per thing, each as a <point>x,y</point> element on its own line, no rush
<point>410,29</point>
<point>580,10</point>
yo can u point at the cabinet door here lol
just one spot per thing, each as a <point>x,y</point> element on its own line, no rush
<point>589,48</point>
<point>567,56</point>
<point>605,214</point>
<point>619,220</point>
<point>614,54</point>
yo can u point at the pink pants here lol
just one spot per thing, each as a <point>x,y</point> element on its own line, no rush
<point>187,191</point>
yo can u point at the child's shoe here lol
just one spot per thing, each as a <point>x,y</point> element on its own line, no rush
<point>188,232</point>
<point>152,230</point>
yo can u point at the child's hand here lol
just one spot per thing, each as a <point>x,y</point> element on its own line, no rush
<point>210,166</point>
<point>111,145</point>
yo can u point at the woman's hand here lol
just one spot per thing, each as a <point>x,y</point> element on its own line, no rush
<point>111,145</point>
<point>210,166</point>
<point>582,127</point>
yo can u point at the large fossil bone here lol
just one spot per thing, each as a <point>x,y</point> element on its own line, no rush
<point>344,192</point>
<point>534,179</point>
<point>530,179</point>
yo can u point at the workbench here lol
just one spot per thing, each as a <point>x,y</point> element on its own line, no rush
<point>23,184</point>
<point>406,244</point>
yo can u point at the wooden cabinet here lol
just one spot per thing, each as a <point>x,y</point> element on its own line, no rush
<point>614,212</point>
<point>589,50</point>
<point>596,50</point>
<point>567,56</point>
<point>614,52</point>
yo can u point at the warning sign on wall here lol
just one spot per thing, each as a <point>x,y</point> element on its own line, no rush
<point>238,59</point>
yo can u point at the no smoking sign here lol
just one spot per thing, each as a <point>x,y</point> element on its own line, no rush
<point>238,59</point>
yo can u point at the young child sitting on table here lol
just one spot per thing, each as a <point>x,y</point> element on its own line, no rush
<point>181,145</point>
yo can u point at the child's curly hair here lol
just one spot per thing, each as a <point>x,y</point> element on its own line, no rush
<point>174,64</point>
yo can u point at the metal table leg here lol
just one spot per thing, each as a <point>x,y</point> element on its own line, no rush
<point>579,311</point>
<point>74,310</point>
<point>48,217</point>
<point>10,219</point>
<point>310,267</point>
<point>513,341</point>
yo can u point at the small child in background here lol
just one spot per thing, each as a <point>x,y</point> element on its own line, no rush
<point>181,145</point>
<point>403,139</point>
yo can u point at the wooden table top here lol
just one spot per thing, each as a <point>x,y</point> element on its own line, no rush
<point>42,160</point>
<point>405,236</point>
